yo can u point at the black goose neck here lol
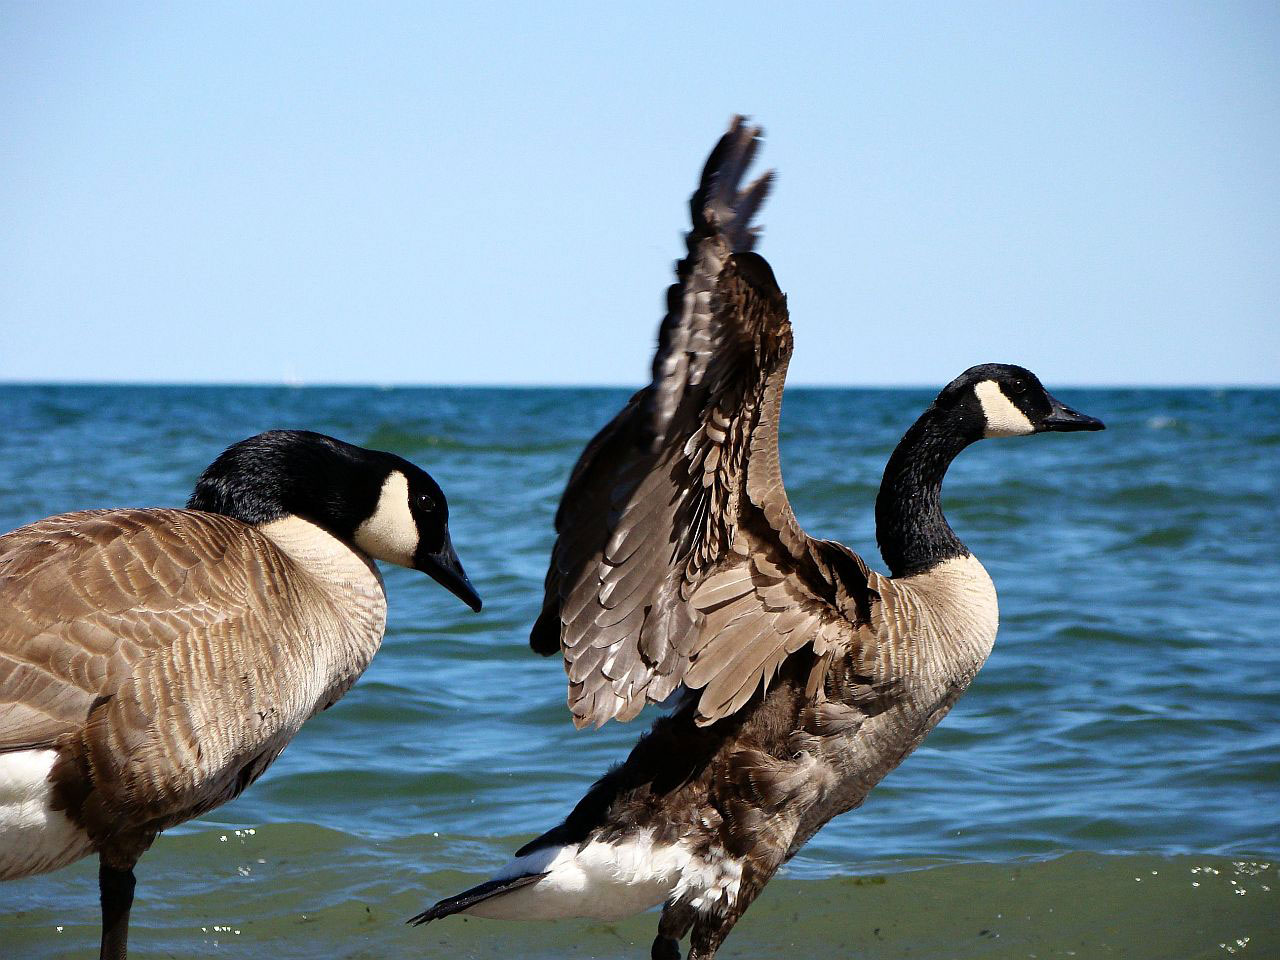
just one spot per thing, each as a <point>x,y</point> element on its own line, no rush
<point>910,528</point>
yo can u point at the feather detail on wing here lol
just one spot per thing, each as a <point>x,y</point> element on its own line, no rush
<point>88,597</point>
<point>679,560</point>
<point>145,645</point>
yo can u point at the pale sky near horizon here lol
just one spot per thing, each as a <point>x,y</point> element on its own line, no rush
<point>400,193</point>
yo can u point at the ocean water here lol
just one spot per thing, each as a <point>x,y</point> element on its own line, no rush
<point>1108,787</point>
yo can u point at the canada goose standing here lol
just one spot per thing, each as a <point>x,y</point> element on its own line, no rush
<point>801,676</point>
<point>154,662</point>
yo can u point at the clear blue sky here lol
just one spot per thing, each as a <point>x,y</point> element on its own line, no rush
<point>401,193</point>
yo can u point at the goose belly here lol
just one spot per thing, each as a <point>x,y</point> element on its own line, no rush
<point>34,838</point>
<point>604,881</point>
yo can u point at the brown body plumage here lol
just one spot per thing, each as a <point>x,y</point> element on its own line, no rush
<point>168,656</point>
<point>154,662</point>
<point>803,677</point>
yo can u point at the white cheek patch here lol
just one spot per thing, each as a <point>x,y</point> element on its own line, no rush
<point>391,533</point>
<point>1003,418</point>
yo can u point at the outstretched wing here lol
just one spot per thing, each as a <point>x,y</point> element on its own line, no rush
<point>679,560</point>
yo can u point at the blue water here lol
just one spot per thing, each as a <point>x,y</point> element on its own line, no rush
<point>1109,786</point>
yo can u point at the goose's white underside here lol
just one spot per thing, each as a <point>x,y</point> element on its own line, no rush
<point>609,881</point>
<point>34,838</point>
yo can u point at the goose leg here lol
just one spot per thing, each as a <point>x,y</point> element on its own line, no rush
<point>116,888</point>
<point>710,929</point>
<point>709,933</point>
<point>675,923</point>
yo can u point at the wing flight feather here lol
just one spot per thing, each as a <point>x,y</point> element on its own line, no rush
<point>678,558</point>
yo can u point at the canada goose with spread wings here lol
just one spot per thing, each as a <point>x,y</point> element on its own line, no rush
<point>802,676</point>
<point>154,662</point>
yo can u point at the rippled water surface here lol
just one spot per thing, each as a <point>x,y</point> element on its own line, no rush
<point>1109,786</point>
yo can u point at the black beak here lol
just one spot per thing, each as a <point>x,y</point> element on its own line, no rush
<point>445,568</point>
<point>1063,419</point>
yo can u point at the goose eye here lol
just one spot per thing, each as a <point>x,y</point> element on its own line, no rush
<point>425,502</point>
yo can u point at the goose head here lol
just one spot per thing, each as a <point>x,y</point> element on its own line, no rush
<point>379,503</point>
<point>989,400</point>
<point>1004,400</point>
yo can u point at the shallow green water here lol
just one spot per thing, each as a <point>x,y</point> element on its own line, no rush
<point>291,891</point>
<point>1128,721</point>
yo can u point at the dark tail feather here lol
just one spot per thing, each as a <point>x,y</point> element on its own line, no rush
<point>490,888</point>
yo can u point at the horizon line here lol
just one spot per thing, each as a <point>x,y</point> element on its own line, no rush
<point>475,385</point>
